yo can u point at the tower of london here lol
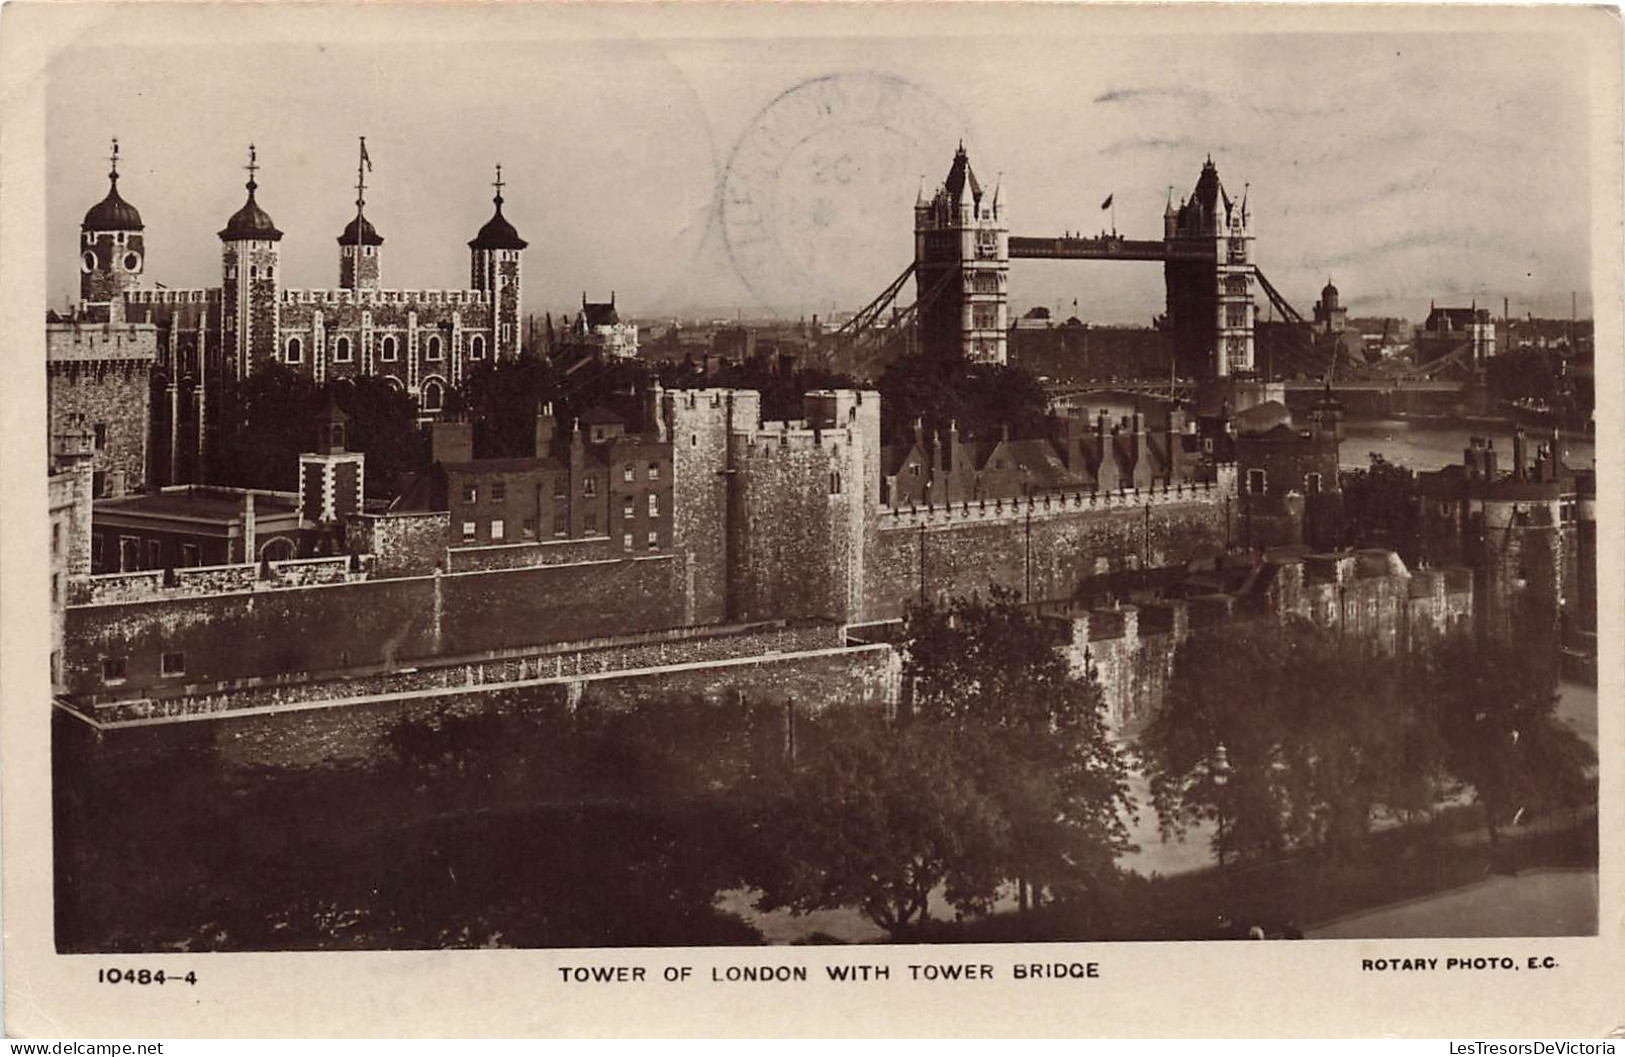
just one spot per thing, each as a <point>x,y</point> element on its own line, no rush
<point>178,344</point>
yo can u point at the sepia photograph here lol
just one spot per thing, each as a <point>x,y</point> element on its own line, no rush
<point>581,478</point>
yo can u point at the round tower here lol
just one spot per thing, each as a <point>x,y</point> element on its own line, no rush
<point>494,258</point>
<point>112,246</point>
<point>250,263</point>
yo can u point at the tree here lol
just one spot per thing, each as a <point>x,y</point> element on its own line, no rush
<point>980,398</point>
<point>383,424</point>
<point>990,674</point>
<point>1286,739</point>
<point>1496,712</point>
<point>1380,508</point>
<point>878,818</point>
<point>264,425</point>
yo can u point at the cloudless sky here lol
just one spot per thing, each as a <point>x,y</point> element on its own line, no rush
<point>703,163</point>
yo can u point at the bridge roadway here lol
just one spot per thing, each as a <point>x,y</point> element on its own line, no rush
<point>1103,248</point>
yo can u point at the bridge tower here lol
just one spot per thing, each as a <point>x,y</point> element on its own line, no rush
<point>962,267</point>
<point>1210,277</point>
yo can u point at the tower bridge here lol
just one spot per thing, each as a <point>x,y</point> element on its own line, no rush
<point>962,253</point>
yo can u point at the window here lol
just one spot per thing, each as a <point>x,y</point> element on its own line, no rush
<point>270,271</point>
<point>1235,315</point>
<point>341,350</point>
<point>56,588</point>
<point>654,505</point>
<point>589,486</point>
<point>654,471</point>
<point>626,541</point>
<point>561,487</point>
<point>471,494</point>
<point>296,351</point>
<point>499,531</point>
<point>386,349</point>
<point>654,541</point>
<point>626,472</point>
<point>476,347</point>
<point>190,556</point>
<point>173,662</point>
<point>1255,482</point>
<point>56,538</point>
<point>434,396</point>
<point>914,469</point>
<point>529,528</point>
<point>1311,484</point>
<point>507,332</point>
<point>589,523</point>
<point>253,271</point>
<point>835,484</point>
<point>101,435</point>
<point>431,348</point>
<point>561,524</point>
<point>96,551</point>
<point>499,491</point>
<point>469,531</point>
<point>628,508</point>
<point>155,554</point>
<point>112,669</point>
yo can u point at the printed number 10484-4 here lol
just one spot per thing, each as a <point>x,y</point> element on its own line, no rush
<point>143,976</point>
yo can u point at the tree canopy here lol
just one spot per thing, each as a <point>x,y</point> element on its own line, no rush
<point>980,398</point>
<point>1001,771</point>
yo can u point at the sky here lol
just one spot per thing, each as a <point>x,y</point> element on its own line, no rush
<point>710,165</point>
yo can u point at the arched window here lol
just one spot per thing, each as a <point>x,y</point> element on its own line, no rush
<point>386,349</point>
<point>277,549</point>
<point>431,348</point>
<point>296,351</point>
<point>434,395</point>
<point>341,350</point>
<point>476,347</point>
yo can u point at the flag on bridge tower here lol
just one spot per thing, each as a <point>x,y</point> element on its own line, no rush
<point>1107,204</point>
<point>366,159</point>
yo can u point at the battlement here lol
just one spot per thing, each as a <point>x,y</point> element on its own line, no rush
<point>367,296</point>
<point>172,297</point>
<point>150,585</point>
<point>1047,505</point>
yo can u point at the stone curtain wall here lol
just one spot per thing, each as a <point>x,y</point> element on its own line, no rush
<point>1057,543</point>
<point>410,544</point>
<point>258,633</point>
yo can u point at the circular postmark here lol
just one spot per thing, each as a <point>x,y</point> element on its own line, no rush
<point>816,200</point>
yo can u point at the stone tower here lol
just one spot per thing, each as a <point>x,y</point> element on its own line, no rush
<point>1209,272</point>
<point>113,248</point>
<point>962,267</point>
<point>360,244</point>
<point>494,258</point>
<point>249,260</point>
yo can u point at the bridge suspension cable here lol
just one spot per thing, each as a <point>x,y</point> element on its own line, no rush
<point>1281,304</point>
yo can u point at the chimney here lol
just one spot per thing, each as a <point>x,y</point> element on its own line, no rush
<point>250,543</point>
<point>1490,467</point>
<point>1520,455</point>
<point>546,428</point>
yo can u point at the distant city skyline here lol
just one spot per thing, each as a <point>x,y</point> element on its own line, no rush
<point>1405,168</point>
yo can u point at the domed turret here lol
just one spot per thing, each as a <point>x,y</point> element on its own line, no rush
<point>498,233</point>
<point>112,213</point>
<point>494,269</point>
<point>250,222</point>
<point>112,246</point>
<point>359,264</point>
<point>360,232</point>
